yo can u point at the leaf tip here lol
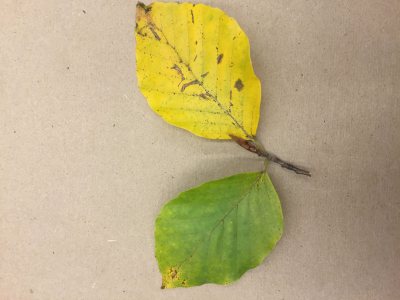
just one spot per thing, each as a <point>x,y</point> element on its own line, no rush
<point>141,10</point>
<point>141,5</point>
<point>171,278</point>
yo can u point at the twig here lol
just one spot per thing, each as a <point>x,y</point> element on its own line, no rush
<point>257,148</point>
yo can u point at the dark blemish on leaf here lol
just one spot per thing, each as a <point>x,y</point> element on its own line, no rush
<point>179,71</point>
<point>84,11</point>
<point>155,33</point>
<point>67,67</point>
<point>139,32</point>
<point>143,6</point>
<point>301,74</point>
<point>172,272</point>
<point>191,12</point>
<point>234,38</point>
<point>203,96</point>
<point>204,75</point>
<point>189,84</point>
<point>239,85</point>
<point>219,58</point>
<point>195,42</point>
<point>31,291</point>
<point>230,101</point>
<point>195,58</point>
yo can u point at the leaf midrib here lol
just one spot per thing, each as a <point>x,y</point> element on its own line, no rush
<point>221,221</point>
<point>187,65</point>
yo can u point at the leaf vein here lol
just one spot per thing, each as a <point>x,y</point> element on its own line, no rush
<point>220,221</point>
<point>208,93</point>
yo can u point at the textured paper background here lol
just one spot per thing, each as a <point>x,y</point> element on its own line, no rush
<point>85,165</point>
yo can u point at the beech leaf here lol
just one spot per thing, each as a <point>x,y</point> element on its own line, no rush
<point>194,68</point>
<point>216,232</point>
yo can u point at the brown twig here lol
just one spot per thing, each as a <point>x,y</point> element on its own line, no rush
<point>257,148</point>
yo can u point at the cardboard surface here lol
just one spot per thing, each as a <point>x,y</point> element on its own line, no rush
<point>85,165</point>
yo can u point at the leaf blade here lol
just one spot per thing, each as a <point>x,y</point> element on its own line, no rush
<point>201,54</point>
<point>217,231</point>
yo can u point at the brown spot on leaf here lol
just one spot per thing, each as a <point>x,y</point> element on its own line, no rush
<point>141,11</point>
<point>239,85</point>
<point>230,101</point>
<point>142,34</point>
<point>203,96</point>
<point>172,273</point>
<point>141,5</point>
<point>144,18</point>
<point>179,71</point>
<point>189,84</point>
<point>154,33</point>
<point>204,75</point>
<point>191,12</point>
<point>219,58</point>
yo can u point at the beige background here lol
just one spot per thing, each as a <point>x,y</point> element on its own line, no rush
<point>85,165</point>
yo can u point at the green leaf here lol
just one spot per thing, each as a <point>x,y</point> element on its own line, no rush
<point>216,232</point>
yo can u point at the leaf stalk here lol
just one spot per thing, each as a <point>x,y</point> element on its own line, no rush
<point>254,146</point>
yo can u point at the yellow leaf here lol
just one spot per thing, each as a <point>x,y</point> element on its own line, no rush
<point>194,68</point>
